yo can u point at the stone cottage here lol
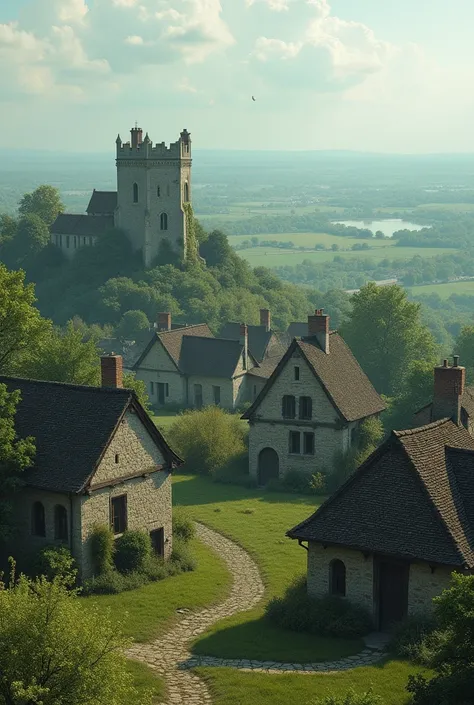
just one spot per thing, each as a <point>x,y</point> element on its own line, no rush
<point>188,367</point>
<point>391,536</point>
<point>264,342</point>
<point>99,460</point>
<point>311,406</point>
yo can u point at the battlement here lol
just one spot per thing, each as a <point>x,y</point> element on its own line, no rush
<point>139,148</point>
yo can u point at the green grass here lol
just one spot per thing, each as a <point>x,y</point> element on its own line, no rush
<point>312,239</point>
<point>262,533</point>
<point>151,609</point>
<point>444,290</point>
<point>232,687</point>
<point>145,680</point>
<point>164,419</point>
<point>273,257</point>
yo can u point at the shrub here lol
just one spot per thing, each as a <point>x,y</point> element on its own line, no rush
<point>236,472</point>
<point>102,547</point>
<point>207,439</point>
<point>110,582</point>
<point>56,562</point>
<point>413,638</point>
<point>326,616</point>
<point>183,525</point>
<point>350,698</point>
<point>132,551</point>
<point>299,482</point>
<point>182,556</point>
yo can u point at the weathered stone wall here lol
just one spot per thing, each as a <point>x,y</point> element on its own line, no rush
<point>70,244</point>
<point>148,508</point>
<point>359,573</point>
<point>226,386</point>
<point>157,366</point>
<point>424,585</point>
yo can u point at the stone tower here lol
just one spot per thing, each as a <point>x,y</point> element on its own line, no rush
<point>153,187</point>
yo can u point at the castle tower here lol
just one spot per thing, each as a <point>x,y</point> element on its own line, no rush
<point>153,186</point>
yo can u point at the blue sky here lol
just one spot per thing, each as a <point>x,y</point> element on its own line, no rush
<point>371,75</point>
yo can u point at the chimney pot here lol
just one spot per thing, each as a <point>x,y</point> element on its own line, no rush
<point>265,318</point>
<point>318,327</point>
<point>164,321</point>
<point>111,371</point>
<point>456,361</point>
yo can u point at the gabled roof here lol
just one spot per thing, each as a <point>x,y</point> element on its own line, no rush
<point>172,341</point>
<point>258,338</point>
<point>341,376</point>
<point>265,368</point>
<point>211,357</point>
<point>412,498</point>
<point>82,225</point>
<point>102,203</point>
<point>72,426</point>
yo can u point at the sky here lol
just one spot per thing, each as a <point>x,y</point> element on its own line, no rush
<point>391,76</point>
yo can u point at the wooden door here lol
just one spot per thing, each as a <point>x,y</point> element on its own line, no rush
<point>268,466</point>
<point>161,393</point>
<point>393,579</point>
<point>157,537</point>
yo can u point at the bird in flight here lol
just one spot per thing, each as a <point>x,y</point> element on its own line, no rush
<point>253,98</point>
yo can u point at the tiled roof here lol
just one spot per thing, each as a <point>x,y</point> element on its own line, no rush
<point>172,341</point>
<point>82,225</point>
<point>408,499</point>
<point>344,381</point>
<point>210,357</point>
<point>298,330</point>
<point>258,338</point>
<point>102,203</point>
<point>265,368</point>
<point>72,426</point>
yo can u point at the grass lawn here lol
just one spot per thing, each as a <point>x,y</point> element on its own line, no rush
<point>273,257</point>
<point>149,610</point>
<point>164,419</point>
<point>231,687</point>
<point>312,239</point>
<point>444,290</point>
<point>146,680</point>
<point>257,520</point>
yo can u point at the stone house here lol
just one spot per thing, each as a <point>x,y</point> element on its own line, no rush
<point>390,537</point>
<point>187,367</point>
<point>99,460</point>
<point>311,407</point>
<point>264,342</point>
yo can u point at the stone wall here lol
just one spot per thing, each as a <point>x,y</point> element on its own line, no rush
<point>424,585</point>
<point>70,244</point>
<point>226,387</point>
<point>157,366</point>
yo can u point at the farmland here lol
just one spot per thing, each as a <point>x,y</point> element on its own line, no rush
<point>460,288</point>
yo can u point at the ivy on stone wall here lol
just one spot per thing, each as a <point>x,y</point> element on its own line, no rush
<point>192,247</point>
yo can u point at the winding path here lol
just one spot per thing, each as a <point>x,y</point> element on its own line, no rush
<point>169,655</point>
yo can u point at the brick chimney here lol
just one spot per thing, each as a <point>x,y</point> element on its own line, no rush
<point>265,318</point>
<point>111,367</point>
<point>164,321</point>
<point>244,341</point>
<point>448,390</point>
<point>318,327</point>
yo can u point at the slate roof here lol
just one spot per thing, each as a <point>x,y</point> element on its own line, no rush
<point>210,357</point>
<point>72,426</point>
<point>298,330</point>
<point>341,376</point>
<point>102,203</point>
<point>412,498</point>
<point>172,341</point>
<point>265,368</point>
<point>73,224</point>
<point>258,338</point>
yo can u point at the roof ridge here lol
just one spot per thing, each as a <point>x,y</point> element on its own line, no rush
<point>177,330</point>
<point>69,385</point>
<point>421,429</point>
<point>206,337</point>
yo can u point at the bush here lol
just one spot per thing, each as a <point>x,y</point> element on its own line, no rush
<point>182,556</point>
<point>350,698</point>
<point>56,562</point>
<point>236,472</point>
<point>207,439</point>
<point>102,547</point>
<point>132,550</point>
<point>327,616</point>
<point>415,638</point>
<point>299,482</point>
<point>183,525</point>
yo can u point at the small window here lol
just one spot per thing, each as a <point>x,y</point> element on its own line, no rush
<point>198,396</point>
<point>306,408</point>
<point>118,512</point>
<point>84,240</point>
<point>297,373</point>
<point>337,578</point>
<point>308,443</point>
<point>38,527</point>
<point>75,242</point>
<point>288,407</point>
<point>60,241</point>
<point>117,458</point>
<point>216,393</point>
<point>67,241</point>
<point>152,388</point>
<point>60,523</point>
<point>164,221</point>
<point>295,442</point>
<point>135,193</point>
<point>158,192</point>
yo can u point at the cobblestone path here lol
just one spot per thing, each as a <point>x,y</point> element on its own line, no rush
<point>170,657</point>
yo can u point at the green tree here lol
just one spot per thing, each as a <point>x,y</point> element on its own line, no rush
<point>63,653</point>
<point>16,455</point>
<point>8,226</point>
<point>385,333</point>
<point>216,249</point>
<point>32,235</point>
<point>134,325</point>
<point>416,392</point>
<point>464,347</point>
<point>44,202</point>
<point>21,326</point>
<point>139,387</point>
<point>453,662</point>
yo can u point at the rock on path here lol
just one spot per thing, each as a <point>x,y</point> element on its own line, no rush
<point>169,655</point>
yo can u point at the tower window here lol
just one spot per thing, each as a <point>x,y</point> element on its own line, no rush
<point>164,221</point>
<point>38,521</point>
<point>158,191</point>
<point>186,192</point>
<point>135,193</point>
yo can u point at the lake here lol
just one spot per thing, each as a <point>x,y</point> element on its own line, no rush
<point>387,226</point>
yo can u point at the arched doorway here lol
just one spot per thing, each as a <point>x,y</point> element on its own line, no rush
<point>268,466</point>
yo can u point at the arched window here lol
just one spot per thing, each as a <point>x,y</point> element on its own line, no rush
<point>135,193</point>
<point>158,191</point>
<point>164,221</point>
<point>60,523</point>
<point>337,578</point>
<point>186,192</point>
<point>38,524</point>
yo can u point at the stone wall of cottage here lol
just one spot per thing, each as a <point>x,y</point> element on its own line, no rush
<point>207,383</point>
<point>359,573</point>
<point>156,367</point>
<point>424,585</point>
<point>148,508</point>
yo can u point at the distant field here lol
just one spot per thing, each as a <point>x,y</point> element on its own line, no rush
<point>458,207</point>
<point>272,257</point>
<point>444,290</point>
<point>312,239</point>
<point>251,209</point>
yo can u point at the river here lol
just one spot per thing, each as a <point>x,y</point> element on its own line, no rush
<point>387,226</point>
